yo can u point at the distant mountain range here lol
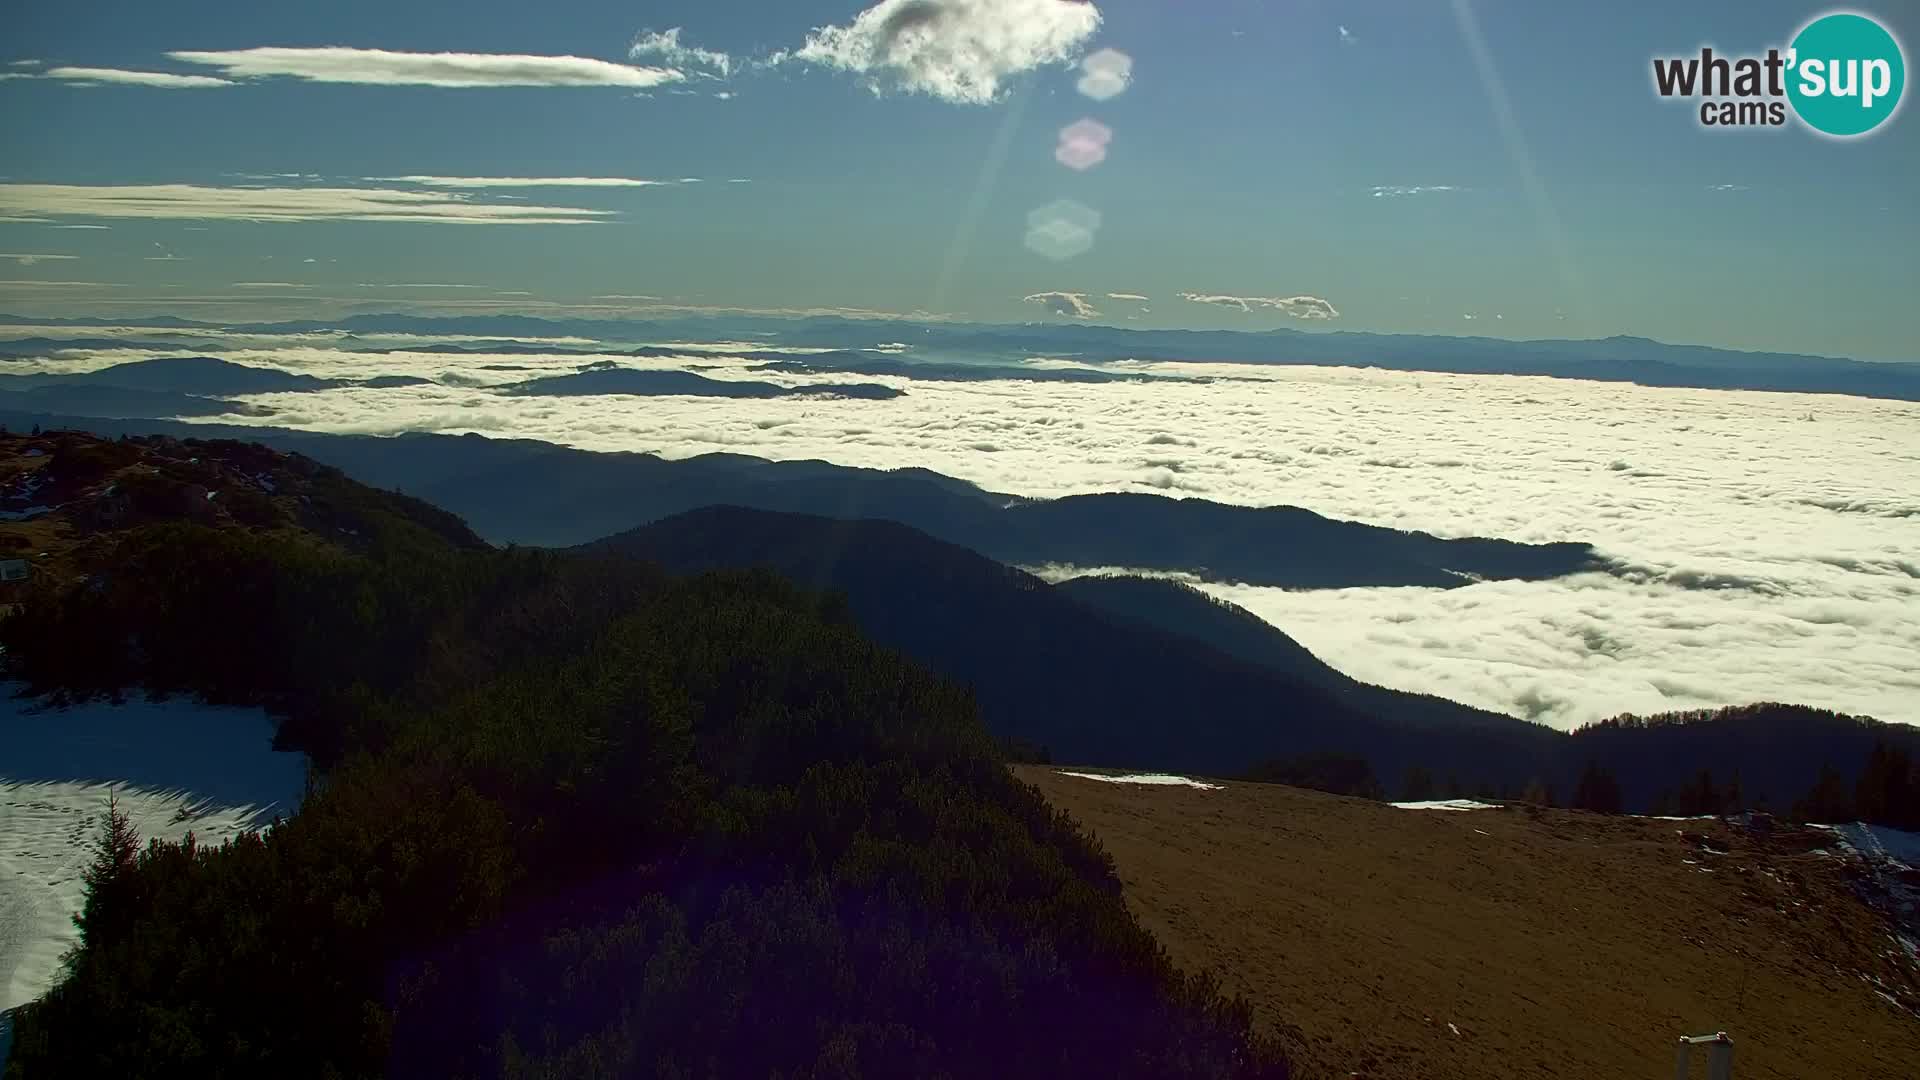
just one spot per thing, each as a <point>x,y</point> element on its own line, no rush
<point>533,493</point>
<point>1614,359</point>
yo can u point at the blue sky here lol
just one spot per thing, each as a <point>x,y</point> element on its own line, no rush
<point>1345,152</point>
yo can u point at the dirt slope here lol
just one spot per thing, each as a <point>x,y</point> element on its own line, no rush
<point>1558,944</point>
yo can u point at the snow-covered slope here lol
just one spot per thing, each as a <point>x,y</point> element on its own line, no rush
<point>175,766</point>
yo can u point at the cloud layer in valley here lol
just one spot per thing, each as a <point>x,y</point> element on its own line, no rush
<point>1760,546</point>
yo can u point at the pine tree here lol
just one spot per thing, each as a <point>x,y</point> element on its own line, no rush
<point>1884,794</point>
<point>1700,797</point>
<point>1418,786</point>
<point>1828,802</point>
<point>1598,791</point>
<point>105,879</point>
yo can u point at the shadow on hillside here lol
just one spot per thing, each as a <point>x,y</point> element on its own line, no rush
<point>206,755</point>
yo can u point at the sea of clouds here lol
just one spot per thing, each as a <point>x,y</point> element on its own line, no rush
<point>1760,546</point>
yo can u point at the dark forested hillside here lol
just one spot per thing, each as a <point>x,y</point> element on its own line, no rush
<point>1185,610</point>
<point>578,819</point>
<point>1772,755</point>
<point>1089,686</point>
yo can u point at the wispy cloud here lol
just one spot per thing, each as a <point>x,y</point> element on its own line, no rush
<point>665,45</point>
<point>1727,187</point>
<point>92,76</point>
<point>25,62</point>
<point>962,51</point>
<point>269,285</point>
<point>80,226</point>
<point>202,202</point>
<point>29,258</point>
<point>1136,297</point>
<point>23,283</point>
<point>382,67</point>
<point>1397,191</point>
<point>1346,36</point>
<point>520,181</point>
<point>1072,304</point>
<point>1300,307</point>
<point>414,285</point>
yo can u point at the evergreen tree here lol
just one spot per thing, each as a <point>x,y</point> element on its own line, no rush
<point>115,853</point>
<point>1736,800</point>
<point>1700,797</point>
<point>1598,791</point>
<point>1418,786</point>
<point>1828,802</point>
<point>1884,794</point>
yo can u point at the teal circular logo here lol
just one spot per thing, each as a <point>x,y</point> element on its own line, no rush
<point>1845,74</point>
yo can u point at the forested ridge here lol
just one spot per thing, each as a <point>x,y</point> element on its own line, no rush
<point>580,819</point>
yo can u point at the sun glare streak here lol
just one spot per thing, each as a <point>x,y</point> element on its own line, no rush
<point>1543,208</point>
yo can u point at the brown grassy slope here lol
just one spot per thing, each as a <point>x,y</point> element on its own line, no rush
<point>1560,944</point>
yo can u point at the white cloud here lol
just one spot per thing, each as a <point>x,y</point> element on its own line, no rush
<point>269,285</point>
<point>1071,304</point>
<point>1754,554</point>
<point>28,284</point>
<point>520,181</point>
<point>5,75</point>
<point>382,67</point>
<point>81,226</point>
<point>200,202</point>
<point>28,62</point>
<point>665,45</point>
<point>962,51</point>
<point>1727,187</point>
<point>1300,307</point>
<point>415,285</point>
<point>162,80</point>
<point>1397,191</point>
<point>29,258</point>
<point>1137,297</point>
<point>1346,36</point>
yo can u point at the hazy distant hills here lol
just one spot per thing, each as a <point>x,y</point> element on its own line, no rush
<point>1614,359</point>
<point>201,376</point>
<point>533,493</point>
<point>628,381</point>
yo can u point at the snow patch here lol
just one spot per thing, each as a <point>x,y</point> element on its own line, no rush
<point>1878,841</point>
<point>1162,779</point>
<point>1447,804</point>
<point>174,767</point>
